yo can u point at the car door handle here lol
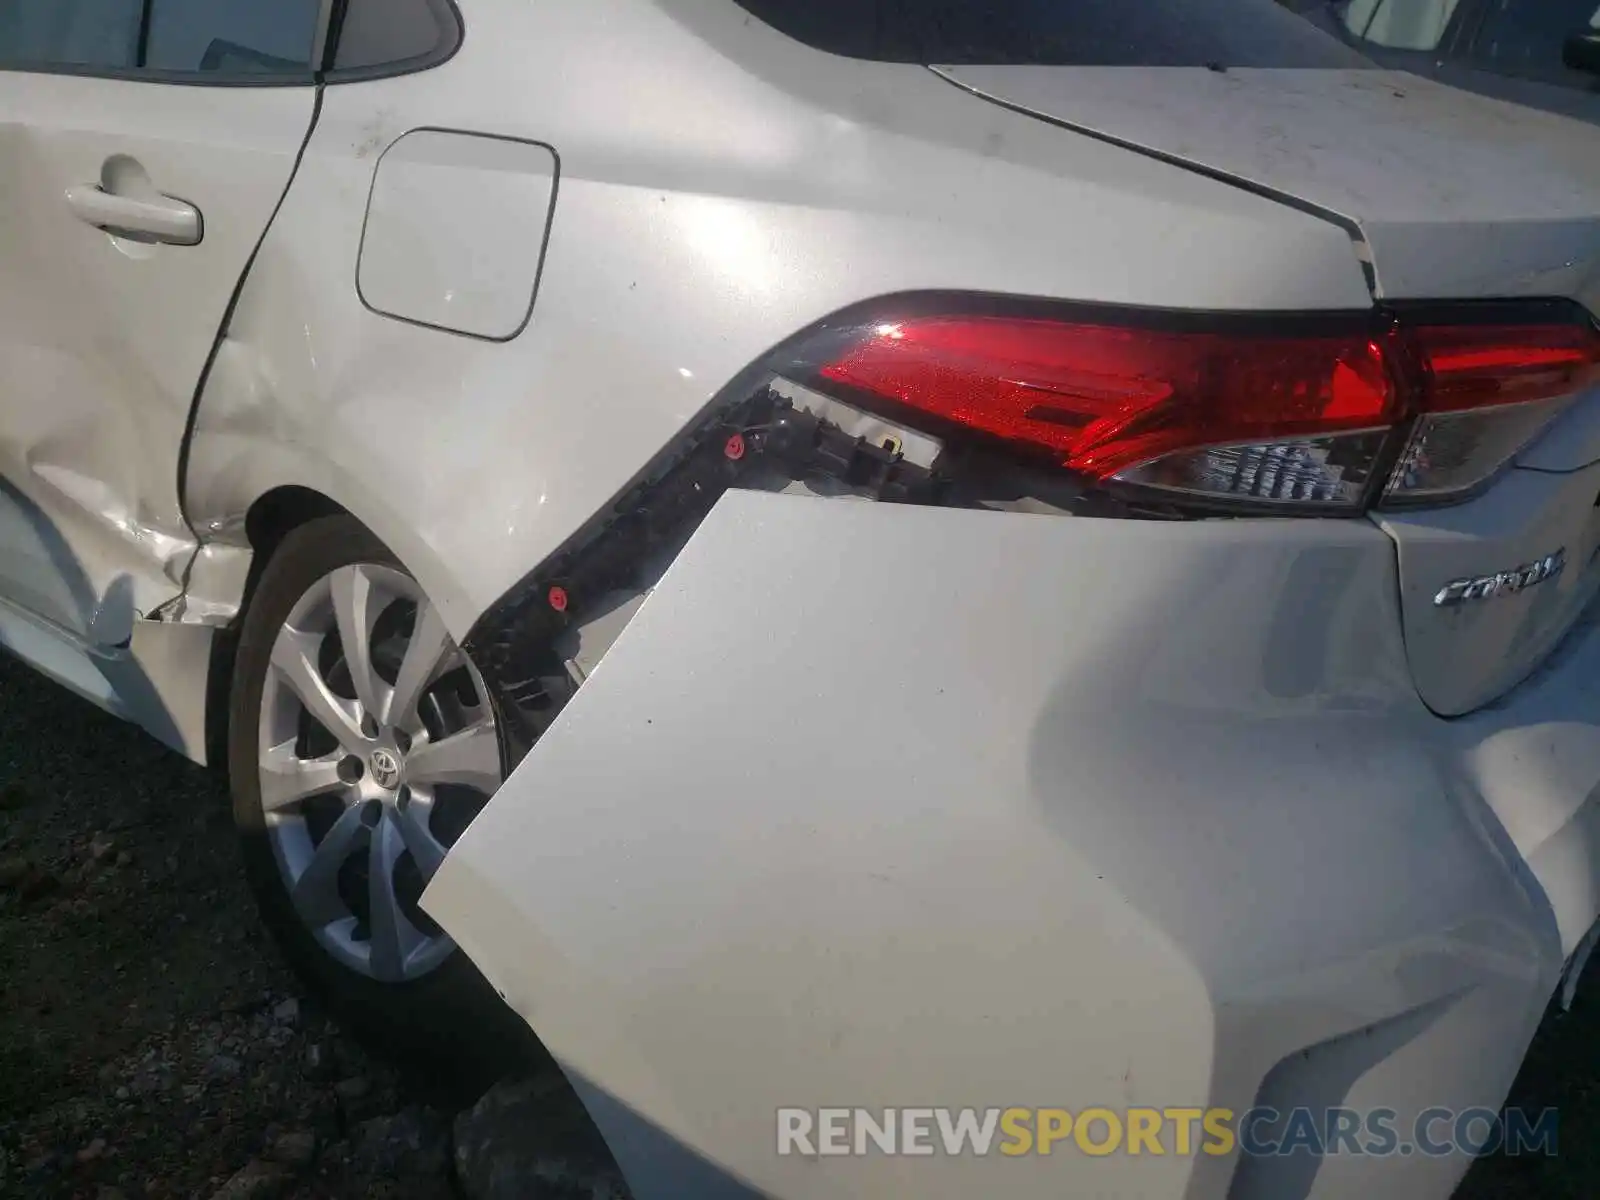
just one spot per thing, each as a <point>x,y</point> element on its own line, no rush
<point>146,219</point>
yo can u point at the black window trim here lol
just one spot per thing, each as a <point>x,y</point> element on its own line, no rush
<point>448,16</point>
<point>322,42</point>
<point>1336,51</point>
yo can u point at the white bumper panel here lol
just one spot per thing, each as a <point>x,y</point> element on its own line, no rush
<point>899,807</point>
<point>1535,756</point>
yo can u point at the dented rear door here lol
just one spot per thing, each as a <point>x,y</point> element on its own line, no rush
<point>129,209</point>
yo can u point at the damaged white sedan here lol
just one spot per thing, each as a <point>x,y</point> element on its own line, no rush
<point>1028,570</point>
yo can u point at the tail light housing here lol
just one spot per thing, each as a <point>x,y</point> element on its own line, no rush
<point>1485,391</point>
<point>1329,412</point>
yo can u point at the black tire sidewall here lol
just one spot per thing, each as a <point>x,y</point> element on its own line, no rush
<point>450,1023</point>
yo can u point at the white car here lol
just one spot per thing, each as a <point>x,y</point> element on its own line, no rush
<point>1057,578</point>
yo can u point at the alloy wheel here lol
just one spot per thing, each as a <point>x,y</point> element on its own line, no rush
<point>377,746</point>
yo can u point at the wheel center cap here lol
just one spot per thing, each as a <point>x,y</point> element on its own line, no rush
<point>385,765</point>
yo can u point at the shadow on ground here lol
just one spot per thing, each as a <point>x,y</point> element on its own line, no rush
<point>1562,1071</point>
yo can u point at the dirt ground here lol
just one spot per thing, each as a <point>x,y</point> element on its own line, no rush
<point>153,1045</point>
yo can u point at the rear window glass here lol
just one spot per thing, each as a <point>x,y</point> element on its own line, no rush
<point>1108,33</point>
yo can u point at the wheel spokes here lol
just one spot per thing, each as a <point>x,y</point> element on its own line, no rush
<point>287,779</point>
<point>391,936</point>
<point>427,850</point>
<point>425,655</point>
<point>294,659</point>
<point>316,893</point>
<point>354,613</point>
<point>394,751</point>
<point>470,757</point>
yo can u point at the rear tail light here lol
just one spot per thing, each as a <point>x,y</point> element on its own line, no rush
<point>1335,413</point>
<point>1487,391</point>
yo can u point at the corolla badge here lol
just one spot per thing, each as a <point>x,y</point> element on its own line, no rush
<point>1503,583</point>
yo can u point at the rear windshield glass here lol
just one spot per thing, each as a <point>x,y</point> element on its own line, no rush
<point>1107,33</point>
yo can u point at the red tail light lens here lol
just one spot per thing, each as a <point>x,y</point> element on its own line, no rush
<point>1252,413</point>
<point>1480,366</point>
<point>1101,398</point>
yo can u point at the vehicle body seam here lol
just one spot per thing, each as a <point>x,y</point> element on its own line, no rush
<point>1352,228</point>
<point>216,345</point>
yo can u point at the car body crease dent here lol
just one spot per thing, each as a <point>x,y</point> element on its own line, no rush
<point>179,609</point>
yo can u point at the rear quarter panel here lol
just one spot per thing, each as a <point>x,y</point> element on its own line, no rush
<point>719,188</point>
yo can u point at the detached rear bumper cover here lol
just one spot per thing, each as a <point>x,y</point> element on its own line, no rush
<point>887,806</point>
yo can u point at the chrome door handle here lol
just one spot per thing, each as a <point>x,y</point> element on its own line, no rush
<point>152,219</point>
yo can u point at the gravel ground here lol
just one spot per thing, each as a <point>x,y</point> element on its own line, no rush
<point>153,1045</point>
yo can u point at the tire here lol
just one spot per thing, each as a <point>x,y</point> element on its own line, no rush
<point>432,1012</point>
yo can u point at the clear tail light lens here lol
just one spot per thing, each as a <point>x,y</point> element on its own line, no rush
<point>1333,412</point>
<point>1450,454</point>
<point>1330,470</point>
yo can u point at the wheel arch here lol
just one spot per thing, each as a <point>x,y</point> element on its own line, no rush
<point>254,502</point>
<point>273,516</point>
<point>270,518</point>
